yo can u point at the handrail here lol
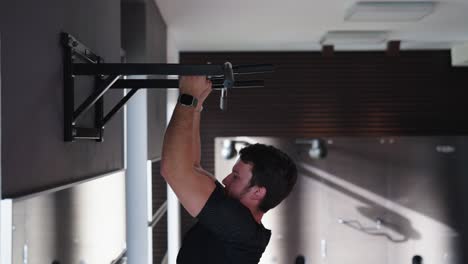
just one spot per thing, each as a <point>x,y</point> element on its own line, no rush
<point>119,259</point>
<point>158,215</point>
<point>124,254</point>
<point>164,260</point>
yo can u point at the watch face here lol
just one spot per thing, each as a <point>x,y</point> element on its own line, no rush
<point>188,100</point>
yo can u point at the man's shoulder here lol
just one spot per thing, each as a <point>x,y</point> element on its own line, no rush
<point>228,217</point>
<point>229,203</point>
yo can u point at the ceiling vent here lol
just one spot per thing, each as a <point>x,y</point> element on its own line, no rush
<point>354,37</point>
<point>390,11</point>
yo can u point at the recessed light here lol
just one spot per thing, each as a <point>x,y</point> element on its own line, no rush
<point>398,11</point>
<point>446,149</point>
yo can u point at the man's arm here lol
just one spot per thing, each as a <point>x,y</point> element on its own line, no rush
<point>196,137</point>
<point>196,144</point>
<point>191,186</point>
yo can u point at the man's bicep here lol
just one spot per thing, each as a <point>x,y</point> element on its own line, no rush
<point>193,190</point>
<point>204,172</point>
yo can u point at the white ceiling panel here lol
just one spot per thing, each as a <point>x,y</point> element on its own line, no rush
<point>265,25</point>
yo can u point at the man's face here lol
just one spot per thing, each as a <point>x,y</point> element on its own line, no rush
<point>237,182</point>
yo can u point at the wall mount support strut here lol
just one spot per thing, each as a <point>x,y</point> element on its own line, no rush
<point>111,76</point>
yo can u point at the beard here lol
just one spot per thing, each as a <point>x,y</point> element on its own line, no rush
<point>239,195</point>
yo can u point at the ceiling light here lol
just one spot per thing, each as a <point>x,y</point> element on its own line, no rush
<point>354,37</point>
<point>400,11</point>
<point>317,147</point>
<point>445,149</point>
<point>317,150</point>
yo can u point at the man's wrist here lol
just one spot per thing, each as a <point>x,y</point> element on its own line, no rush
<point>199,108</point>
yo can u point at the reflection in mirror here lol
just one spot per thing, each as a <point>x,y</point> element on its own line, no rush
<point>373,200</point>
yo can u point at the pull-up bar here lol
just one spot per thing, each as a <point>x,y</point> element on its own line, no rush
<point>166,69</point>
<point>109,76</point>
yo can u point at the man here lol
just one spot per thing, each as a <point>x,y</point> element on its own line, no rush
<point>229,228</point>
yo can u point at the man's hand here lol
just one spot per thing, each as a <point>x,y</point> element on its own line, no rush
<point>197,86</point>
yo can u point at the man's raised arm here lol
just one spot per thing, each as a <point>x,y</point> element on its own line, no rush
<point>180,148</point>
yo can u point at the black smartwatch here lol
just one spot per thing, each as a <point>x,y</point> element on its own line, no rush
<point>188,100</point>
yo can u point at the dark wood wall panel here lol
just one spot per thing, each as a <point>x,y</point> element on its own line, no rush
<point>349,94</point>
<point>35,157</point>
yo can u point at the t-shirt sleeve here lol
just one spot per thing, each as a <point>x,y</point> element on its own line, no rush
<point>227,218</point>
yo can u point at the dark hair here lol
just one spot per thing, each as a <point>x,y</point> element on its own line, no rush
<point>300,260</point>
<point>417,259</point>
<point>272,169</point>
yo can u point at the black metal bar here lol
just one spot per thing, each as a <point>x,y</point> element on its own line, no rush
<point>253,69</point>
<point>119,105</point>
<point>146,69</point>
<point>99,106</point>
<point>91,100</point>
<point>166,69</point>
<point>165,84</point>
<point>146,83</point>
<point>68,91</point>
<point>241,84</point>
<point>84,57</point>
<point>86,133</point>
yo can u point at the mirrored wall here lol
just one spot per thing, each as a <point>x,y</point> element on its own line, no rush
<point>365,200</point>
<point>82,224</point>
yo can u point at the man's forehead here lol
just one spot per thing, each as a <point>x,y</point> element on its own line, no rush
<point>241,166</point>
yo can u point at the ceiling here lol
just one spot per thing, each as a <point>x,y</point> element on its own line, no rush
<point>298,25</point>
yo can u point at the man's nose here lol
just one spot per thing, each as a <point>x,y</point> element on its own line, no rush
<point>225,180</point>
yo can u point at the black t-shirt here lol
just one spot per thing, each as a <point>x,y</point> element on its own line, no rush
<point>226,232</point>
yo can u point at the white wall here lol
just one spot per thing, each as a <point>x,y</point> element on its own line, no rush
<point>6,229</point>
<point>5,205</point>
<point>173,206</point>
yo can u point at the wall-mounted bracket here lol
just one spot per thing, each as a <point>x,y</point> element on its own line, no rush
<point>110,76</point>
<point>328,50</point>
<point>393,48</point>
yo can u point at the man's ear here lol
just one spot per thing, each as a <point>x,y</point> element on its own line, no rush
<point>259,193</point>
